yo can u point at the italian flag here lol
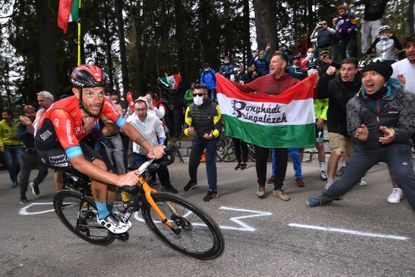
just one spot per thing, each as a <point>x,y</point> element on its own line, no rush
<point>172,81</point>
<point>283,121</point>
<point>68,12</point>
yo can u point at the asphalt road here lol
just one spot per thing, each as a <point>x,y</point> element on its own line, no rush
<point>362,235</point>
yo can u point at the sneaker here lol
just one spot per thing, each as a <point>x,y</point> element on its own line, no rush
<point>323,175</point>
<point>210,196</point>
<point>260,192</point>
<point>114,225</point>
<point>238,166</point>
<point>35,188</point>
<point>396,196</point>
<point>340,171</point>
<point>362,183</point>
<point>14,184</point>
<point>300,183</point>
<point>315,201</point>
<point>23,200</point>
<point>170,189</point>
<point>280,194</point>
<point>191,185</point>
<point>244,166</point>
<point>271,180</point>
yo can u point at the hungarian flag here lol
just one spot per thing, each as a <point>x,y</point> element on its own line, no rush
<point>68,12</point>
<point>272,121</point>
<point>172,82</point>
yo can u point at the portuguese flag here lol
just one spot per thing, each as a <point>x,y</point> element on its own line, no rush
<point>68,12</point>
<point>283,121</point>
<point>172,82</point>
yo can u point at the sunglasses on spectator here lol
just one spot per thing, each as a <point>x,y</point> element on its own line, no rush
<point>199,94</point>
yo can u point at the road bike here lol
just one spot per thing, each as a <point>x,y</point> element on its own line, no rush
<point>175,221</point>
<point>225,150</point>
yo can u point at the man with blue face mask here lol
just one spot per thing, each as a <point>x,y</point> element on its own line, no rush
<point>203,122</point>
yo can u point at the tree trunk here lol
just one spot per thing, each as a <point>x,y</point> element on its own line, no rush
<point>123,52</point>
<point>412,17</point>
<point>265,18</point>
<point>47,43</point>
<point>247,38</point>
<point>108,43</point>
<point>180,37</point>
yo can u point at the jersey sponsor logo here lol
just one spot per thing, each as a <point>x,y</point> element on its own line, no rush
<point>45,135</point>
<point>77,130</point>
<point>59,160</point>
<point>69,131</point>
<point>56,121</point>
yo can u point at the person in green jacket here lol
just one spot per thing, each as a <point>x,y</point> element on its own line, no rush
<point>10,145</point>
<point>188,95</point>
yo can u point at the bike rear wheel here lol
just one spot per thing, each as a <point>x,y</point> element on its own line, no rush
<point>197,233</point>
<point>79,214</point>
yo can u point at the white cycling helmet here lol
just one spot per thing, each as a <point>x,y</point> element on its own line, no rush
<point>383,28</point>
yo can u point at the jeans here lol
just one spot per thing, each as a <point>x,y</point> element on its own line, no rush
<point>12,155</point>
<point>398,158</point>
<point>29,161</point>
<point>162,172</point>
<point>114,150</point>
<point>295,157</point>
<point>212,94</point>
<point>241,150</point>
<point>261,158</point>
<point>198,145</point>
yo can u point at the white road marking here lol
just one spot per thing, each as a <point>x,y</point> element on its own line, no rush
<point>245,227</point>
<point>347,231</point>
<point>24,210</point>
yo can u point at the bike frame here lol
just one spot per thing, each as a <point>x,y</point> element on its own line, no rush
<point>148,190</point>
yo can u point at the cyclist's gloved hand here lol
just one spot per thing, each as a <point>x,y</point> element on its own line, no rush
<point>156,153</point>
<point>129,179</point>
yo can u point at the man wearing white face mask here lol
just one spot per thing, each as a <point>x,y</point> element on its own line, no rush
<point>309,59</point>
<point>203,122</point>
<point>385,45</point>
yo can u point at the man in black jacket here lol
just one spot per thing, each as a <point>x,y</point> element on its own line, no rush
<point>372,20</point>
<point>381,120</point>
<point>203,122</point>
<point>29,159</point>
<point>339,89</point>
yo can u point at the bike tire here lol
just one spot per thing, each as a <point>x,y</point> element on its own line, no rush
<point>78,214</point>
<point>197,225</point>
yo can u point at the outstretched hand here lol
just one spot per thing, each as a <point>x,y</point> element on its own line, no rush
<point>388,135</point>
<point>362,133</point>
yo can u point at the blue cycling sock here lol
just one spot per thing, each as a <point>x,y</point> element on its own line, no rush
<point>102,209</point>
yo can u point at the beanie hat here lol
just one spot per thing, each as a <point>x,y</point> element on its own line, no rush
<point>382,68</point>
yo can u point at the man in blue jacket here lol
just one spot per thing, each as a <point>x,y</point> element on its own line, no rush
<point>208,78</point>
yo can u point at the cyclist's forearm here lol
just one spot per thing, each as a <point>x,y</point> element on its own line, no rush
<point>94,172</point>
<point>137,137</point>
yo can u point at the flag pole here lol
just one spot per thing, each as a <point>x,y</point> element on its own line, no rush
<point>79,35</point>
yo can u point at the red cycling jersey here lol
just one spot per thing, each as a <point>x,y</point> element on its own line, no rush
<point>68,126</point>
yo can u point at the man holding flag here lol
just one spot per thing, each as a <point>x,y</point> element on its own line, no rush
<point>270,121</point>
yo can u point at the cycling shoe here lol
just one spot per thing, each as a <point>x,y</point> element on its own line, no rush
<point>114,225</point>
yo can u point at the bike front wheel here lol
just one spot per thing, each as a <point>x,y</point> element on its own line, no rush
<point>79,214</point>
<point>196,234</point>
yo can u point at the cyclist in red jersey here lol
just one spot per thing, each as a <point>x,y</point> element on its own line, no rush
<point>64,125</point>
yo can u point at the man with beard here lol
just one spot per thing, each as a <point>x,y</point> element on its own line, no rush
<point>29,159</point>
<point>68,121</point>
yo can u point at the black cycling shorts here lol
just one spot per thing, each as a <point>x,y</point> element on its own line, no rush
<point>57,159</point>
